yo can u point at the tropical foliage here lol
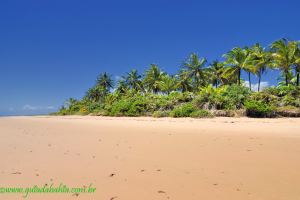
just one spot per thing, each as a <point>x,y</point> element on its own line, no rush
<point>201,89</point>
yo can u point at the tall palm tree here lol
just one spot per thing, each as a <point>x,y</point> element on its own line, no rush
<point>184,82</point>
<point>283,53</point>
<point>195,69</point>
<point>153,78</point>
<point>168,84</point>
<point>297,65</point>
<point>260,60</point>
<point>122,87</point>
<point>238,60</point>
<point>133,80</point>
<point>216,71</point>
<point>96,93</point>
<point>105,81</point>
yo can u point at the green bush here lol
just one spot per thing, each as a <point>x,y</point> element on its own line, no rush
<point>225,100</point>
<point>133,106</point>
<point>120,108</point>
<point>288,111</point>
<point>183,110</point>
<point>259,109</point>
<point>222,98</point>
<point>265,97</point>
<point>201,114</point>
<point>158,114</point>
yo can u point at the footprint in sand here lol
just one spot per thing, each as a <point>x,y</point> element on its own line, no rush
<point>113,198</point>
<point>142,170</point>
<point>161,192</point>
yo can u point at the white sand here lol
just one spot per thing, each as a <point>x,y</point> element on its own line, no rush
<point>153,159</point>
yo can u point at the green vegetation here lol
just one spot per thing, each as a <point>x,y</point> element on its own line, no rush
<point>259,109</point>
<point>201,89</point>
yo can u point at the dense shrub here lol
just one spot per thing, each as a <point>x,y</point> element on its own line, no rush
<point>201,114</point>
<point>226,97</point>
<point>128,107</point>
<point>183,110</point>
<point>259,109</point>
<point>265,97</point>
<point>223,101</point>
<point>288,111</point>
<point>158,114</point>
<point>226,113</point>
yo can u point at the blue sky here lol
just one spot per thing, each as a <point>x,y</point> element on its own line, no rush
<point>51,50</point>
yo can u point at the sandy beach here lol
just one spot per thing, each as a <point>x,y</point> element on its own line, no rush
<point>147,158</point>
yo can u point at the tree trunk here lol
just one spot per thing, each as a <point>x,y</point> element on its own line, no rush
<point>298,77</point>
<point>286,79</point>
<point>249,77</point>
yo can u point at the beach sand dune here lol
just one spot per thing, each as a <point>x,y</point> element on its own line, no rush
<point>147,158</point>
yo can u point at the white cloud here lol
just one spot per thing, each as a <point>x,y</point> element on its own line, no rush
<point>254,86</point>
<point>33,108</point>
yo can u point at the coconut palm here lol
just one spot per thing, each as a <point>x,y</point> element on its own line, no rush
<point>297,65</point>
<point>122,87</point>
<point>105,81</point>
<point>153,78</point>
<point>168,84</point>
<point>194,68</point>
<point>96,93</point>
<point>133,80</point>
<point>283,53</point>
<point>238,59</point>
<point>260,60</point>
<point>216,71</point>
<point>184,82</point>
<point>92,94</point>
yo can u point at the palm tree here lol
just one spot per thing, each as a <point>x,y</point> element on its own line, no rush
<point>153,78</point>
<point>105,81</point>
<point>238,60</point>
<point>168,84</point>
<point>283,53</point>
<point>297,65</point>
<point>195,69</point>
<point>184,82</point>
<point>216,71</point>
<point>70,102</point>
<point>122,87</point>
<point>93,94</point>
<point>133,80</point>
<point>96,93</point>
<point>260,60</point>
